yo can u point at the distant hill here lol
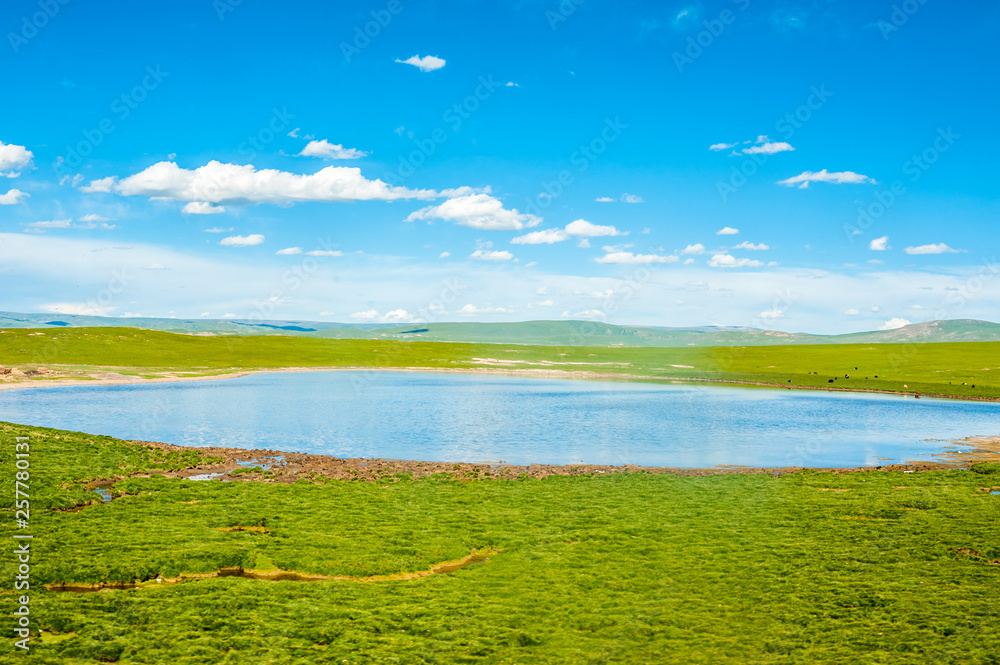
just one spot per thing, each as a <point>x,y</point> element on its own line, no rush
<point>566,333</point>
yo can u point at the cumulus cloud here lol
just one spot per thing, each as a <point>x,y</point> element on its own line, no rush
<point>749,245</point>
<point>12,197</point>
<point>894,323</point>
<point>938,248</point>
<point>202,208</point>
<point>630,258</point>
<point>491,255</point>
<point>242,241</point>
<point>216,229</point>
<point>13,158</point>
<point>727,231</point>
<point>838,178</point>
<point>477,211</point>
<point>852,312</point>
<point>604,199</point>
<point>765,147</point>
<point>327,150</point>
<point>729,261</point>
<point>631,198</point>
<point>772,314</point>
<point>94,218</point>
<point>217,182</point>
<point>288,251</point>
<point>580,228</point>
<point>444,255</point>
<point>53,224</point>
<point>325,252</point>
<point>879,244</point>
<point>428,63</point>
<point>697,248</point>
<point>472,310</point>
<point>721,146</point>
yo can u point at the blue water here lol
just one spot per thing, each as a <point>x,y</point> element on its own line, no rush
<point>473,418</point>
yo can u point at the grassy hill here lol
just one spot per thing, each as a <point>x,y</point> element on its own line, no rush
<point>561,333</point>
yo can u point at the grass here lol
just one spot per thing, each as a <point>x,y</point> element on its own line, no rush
<point>810,567</point>
<point>965,369</point>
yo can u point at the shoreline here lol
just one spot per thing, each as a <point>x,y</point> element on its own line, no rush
<point>289,467</point>
<point>538,373</point>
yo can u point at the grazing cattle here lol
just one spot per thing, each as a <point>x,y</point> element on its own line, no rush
<point>830,381</point>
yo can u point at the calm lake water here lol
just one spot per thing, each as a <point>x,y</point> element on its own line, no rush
<point>472,418</point>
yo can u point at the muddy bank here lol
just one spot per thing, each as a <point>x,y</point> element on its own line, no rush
<point>262,465</point>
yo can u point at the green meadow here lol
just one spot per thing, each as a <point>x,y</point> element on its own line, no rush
<point>963,369</point>
<point>868,567</point>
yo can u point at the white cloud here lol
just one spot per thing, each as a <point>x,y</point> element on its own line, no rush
<point>852,312</point>
<point>583,228</point>
<point>542,303</point>
<point>202,208</point>
<point>53,224</point>
<point>325,252</point>
<point>94,218</point>
<point>894,323</point>
<point>472,310</point>
<point>879,244</point>
<point>78,309</point>
<point>721,146</point>
<point>13,158</point>
<point>688,262</point>
<point>242,241</point>
<point>939,248</point>
<point>545,236</point>
<point>103,185</point>
<point>295,133</point>
<point>367,315</point>
<point>327,150</point>
<point>477,211</point>
<point>217,182</point>
<point>767,148</point>
<point>749,245</point>
<point>630,258</point>
<point>697,248</point>
<point>772,314</point>
<point>216,229</point>
<point>288,251</point>
<point>398,316</point>
<point>631,198</point>
<point>444,255</point>
<point>729,261</point>
<point>12,197</point>
<point>583,244</point>
<point>589,314</point>
<point>839,178</point>
<point>491,255</point>
<point>604,199</point>
<point>511,84</point>
<point>727,231</point>
<point>428,63</point>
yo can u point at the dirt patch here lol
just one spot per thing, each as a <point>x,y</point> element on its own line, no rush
<point>443,568</point>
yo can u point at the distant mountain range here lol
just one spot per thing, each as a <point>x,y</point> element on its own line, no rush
<point>566,333</point>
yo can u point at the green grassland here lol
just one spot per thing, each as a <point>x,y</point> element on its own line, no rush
<point>622,568</point>
<point>960,369</point>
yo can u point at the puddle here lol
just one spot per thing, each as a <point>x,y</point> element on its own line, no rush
<point>443,568</point>
<point>204,476</point>
<point>104,494</point>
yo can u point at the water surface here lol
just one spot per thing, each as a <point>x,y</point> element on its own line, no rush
<point>473,418</point>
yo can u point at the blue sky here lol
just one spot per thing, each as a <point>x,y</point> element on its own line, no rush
<point>494,161</point>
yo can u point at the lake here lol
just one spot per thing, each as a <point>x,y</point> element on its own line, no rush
<point>475,417</point>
